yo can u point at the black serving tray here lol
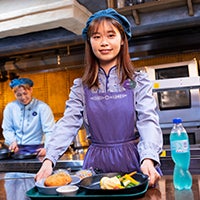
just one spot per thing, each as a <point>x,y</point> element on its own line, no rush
<point>92,184</point>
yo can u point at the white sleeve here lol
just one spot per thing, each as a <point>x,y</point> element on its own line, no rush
<point>7,125</point>
<point>147,122</point>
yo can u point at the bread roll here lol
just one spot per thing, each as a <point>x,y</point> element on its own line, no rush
<point>58,179</point>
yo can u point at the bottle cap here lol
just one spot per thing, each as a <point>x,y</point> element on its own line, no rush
<point>177,120</point>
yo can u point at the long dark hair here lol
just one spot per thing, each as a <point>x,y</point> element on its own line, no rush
<point>125,68</point>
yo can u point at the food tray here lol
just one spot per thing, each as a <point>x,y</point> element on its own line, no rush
<point>34,194</point>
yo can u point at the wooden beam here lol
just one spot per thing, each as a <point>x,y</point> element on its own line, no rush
<point>190,8</point>
<point>136,17</point>
<point>110,3</point>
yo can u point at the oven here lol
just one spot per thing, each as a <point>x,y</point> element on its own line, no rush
<point>176,90</point>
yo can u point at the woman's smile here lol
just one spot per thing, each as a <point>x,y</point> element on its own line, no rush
<point>105,51</point>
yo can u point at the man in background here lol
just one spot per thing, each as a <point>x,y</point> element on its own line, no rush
<point>26,120</point>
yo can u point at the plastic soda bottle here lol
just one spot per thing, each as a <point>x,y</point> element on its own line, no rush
<point>180,152</point>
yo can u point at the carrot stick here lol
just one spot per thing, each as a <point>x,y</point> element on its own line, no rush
<point>131,174</point>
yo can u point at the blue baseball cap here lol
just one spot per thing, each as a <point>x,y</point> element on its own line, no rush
<point>21,81</point>
<point>112,14</point>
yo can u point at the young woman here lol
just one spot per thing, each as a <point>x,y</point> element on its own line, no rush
<point>113,102</point>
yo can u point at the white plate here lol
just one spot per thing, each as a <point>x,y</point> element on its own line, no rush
<point>52,190</point>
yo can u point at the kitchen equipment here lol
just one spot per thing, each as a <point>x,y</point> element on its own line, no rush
<point>4,151</point>
<point>140,1</point>
<point>81,141</point>
<point>27,152</point>
<point>18,156</point>
<point>176,90</point>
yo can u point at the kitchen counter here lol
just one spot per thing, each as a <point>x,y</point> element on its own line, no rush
<point>75,163</point>
<point>17,177</point>
<point>13,186</point>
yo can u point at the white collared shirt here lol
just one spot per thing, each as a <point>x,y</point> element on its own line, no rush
<point>27,124</point>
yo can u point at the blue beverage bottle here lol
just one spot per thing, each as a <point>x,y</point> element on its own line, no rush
<point>180,152</point>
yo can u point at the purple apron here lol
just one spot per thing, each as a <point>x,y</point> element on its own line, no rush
<point>111,125</point>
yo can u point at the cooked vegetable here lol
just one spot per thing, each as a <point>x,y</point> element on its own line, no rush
<point>128,181</point>
<point>119,182</point>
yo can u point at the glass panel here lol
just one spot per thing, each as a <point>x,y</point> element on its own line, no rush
<point>175,99</point>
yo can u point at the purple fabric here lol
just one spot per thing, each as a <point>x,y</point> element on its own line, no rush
<point>29,149</point>
<point>111,123</point>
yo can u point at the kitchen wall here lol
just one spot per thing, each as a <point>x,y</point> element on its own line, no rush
<point>54,87</point>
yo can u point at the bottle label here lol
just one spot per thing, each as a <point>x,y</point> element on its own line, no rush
<point>180,146</point>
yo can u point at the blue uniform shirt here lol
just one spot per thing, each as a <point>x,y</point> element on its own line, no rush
<point>27,124</point>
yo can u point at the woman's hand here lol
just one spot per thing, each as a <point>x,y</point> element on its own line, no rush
<point>45,170</point>
<point>147,167</point>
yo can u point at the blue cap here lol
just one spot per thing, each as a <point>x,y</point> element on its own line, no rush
<point>177,120</point>
<point>112,14</point>
<point>21,81</point>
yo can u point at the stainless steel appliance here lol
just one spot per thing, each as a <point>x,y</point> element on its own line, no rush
<point>176,90</point>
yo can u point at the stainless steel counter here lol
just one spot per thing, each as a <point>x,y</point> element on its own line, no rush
<point>33,165</point>
<point>75,163</point>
